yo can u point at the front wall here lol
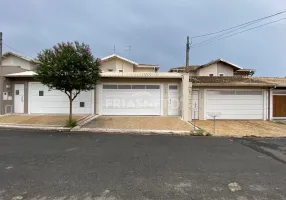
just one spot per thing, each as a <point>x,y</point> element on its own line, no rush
<point>25,81</point>
<point>165,83</point>
<point>7,81</point>
<point>11,82</point>
<point>202,97</point>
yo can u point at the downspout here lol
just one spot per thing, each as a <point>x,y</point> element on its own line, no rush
<point>269,92</point>
<point>269,104</point>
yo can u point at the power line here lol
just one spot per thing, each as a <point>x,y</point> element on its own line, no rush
<point>241,25</point>
<point>12,48</point>
<point>214,39</point>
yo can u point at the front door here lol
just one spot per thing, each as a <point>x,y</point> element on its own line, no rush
<point>173,101</point>
<point>279,106</point>
<point>19,98</point>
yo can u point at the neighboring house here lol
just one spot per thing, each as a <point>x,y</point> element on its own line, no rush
<point>12,63</point>
<point>116,63</point>
<point>217,67</point>
<point>126,88</point>
<point>242,98</point>
<point>228,91</point>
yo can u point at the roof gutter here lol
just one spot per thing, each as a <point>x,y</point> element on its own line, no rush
<point>179,77</point>
<point>235,84</point>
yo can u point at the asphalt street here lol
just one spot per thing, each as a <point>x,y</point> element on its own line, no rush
<point>85,166</point>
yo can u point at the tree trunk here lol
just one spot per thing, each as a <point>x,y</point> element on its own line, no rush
<point>70,116</point>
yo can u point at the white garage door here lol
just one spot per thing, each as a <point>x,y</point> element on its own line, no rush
<point>43,100</point>
<point>234,104</point>
<point>131,99</point>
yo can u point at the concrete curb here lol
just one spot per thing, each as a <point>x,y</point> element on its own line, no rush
<point>45,128</point>
<point>132,131</point>
<point>32,125</point>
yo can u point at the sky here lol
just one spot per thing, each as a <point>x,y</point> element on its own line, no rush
<point>156,30</point>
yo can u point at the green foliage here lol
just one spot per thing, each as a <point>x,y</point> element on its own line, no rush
<point>208,134</point>
<point>68,67</point>
<point>71,123</point>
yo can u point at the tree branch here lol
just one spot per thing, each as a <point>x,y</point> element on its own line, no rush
<point>67,93</point>
<point>76,94</point>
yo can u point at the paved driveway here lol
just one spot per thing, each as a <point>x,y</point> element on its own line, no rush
<point>142,123</point>
<point>85,166</point>
<point>241,128</point>
<point>59,120</point>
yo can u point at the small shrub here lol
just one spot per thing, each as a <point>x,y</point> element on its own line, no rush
<point>71,123</point>
<point>198,133</point>
<point>208,134</point>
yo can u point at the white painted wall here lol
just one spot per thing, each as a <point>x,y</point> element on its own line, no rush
<point>216,69</point>
<point>115,64</point>
<point>143,69</point>
<point>109,65</point>
<point>126,66</point>
<point>15,61</point>
<point>206,71</point>
<point>225,69</point>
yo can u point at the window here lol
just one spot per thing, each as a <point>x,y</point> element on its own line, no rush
<point>138,86</point>
<point>81,104</point>
<point>109,86</point>
<point>124,86</point>
<point>221,74</point>
<point>152,86</point>
<point>226,92</point>
<point>17,92</point>
<point>110,70</point>
<point>41,93</point>
<point>173,87</point>
<point>120,70</point>
<point>211,75</point>
<point>247,92</point>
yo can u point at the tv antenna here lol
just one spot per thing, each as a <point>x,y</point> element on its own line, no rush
<point>128,49</point>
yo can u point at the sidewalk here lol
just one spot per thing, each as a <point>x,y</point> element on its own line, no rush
<point>38,122</point>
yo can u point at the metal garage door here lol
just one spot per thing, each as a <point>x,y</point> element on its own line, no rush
<point>131,99</point>
<point>43,100</point>
<point>234,104</point>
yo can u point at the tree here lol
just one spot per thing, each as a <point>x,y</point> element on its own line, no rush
<point>70,68</point>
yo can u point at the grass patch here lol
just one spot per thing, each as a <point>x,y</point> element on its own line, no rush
<point>199,132</point>
<point>279,122</point>
<point>71,123</point>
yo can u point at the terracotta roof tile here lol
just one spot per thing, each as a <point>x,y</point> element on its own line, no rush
<point>237,80</point>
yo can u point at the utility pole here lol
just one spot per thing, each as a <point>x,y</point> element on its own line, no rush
<point>1,49</point>
<point>188,51</point>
